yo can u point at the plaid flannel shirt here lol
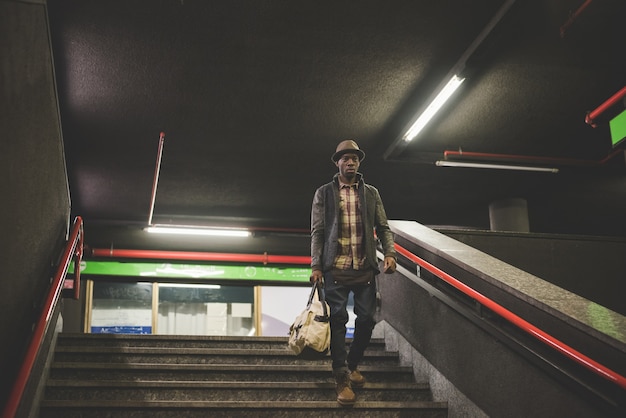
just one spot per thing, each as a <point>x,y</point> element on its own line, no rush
<point>350,252</point>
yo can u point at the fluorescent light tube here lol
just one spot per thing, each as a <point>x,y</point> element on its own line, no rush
<point>182,230</point>
<point>495,166</point>
<point>433,107</point>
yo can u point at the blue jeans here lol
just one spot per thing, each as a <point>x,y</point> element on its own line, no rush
<point>364,309</point>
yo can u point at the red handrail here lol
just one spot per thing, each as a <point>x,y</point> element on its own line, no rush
<point>73,250</point>
<point>563,348</point>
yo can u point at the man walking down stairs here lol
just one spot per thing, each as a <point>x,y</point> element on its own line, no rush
<point>110,375</point>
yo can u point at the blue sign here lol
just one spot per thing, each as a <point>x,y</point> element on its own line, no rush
<point>121,330</point>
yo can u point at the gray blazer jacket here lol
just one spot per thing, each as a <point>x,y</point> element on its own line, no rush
<point>325,225</point>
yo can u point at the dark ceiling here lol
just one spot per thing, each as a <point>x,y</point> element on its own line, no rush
<point>253,96</point>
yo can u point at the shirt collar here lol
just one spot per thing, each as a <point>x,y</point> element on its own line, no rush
<point>342,185</point>
<point>355,184</point>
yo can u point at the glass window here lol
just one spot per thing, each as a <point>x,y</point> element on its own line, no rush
<point>280,306</point>
<point>205,309</point>
<point>121,308</point>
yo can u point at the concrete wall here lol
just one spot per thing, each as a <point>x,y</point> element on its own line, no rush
<point>592,267</point>
<point>35,209</point>
<point>473,369</point>
<point>442,389</point>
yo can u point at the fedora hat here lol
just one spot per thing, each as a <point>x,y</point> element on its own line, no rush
<point>345,147</point>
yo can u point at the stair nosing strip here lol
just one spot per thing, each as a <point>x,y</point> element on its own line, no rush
<point>246,404</point>
<point>198,351</point>
<point>198,338</point>
<point>226,384</point>
<point>220,366</point>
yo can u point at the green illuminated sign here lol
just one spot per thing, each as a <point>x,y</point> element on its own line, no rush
<point>618,128</point>
<point>193,271</point>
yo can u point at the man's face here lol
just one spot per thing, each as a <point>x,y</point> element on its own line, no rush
<point>348,165</point>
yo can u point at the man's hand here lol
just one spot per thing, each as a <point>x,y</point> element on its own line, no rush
<point>390,265</point>
<point>316,276</point>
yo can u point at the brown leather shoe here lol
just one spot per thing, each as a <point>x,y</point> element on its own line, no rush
<point>356,378</point>
<point>345,395</point>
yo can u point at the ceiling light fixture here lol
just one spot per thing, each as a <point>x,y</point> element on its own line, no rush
<point>452,81</point>
<point>184,230</point>
<point>451,86</point>
<point>443,163</point>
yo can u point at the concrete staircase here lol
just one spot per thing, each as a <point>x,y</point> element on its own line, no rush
<point>189,376</point>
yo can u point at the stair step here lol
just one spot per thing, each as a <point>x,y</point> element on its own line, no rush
<point>248,372</point>
<point>185,341</point>
<point>181,355</point>
<point>117,375</point>
<point>241,409</point>
<point>227,391</point>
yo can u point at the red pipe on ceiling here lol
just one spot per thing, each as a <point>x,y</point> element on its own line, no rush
<point>155,182</point>
<point>201,256</point>
<point>573,17</point>
<point>525,159</point>
<point>591,116</point>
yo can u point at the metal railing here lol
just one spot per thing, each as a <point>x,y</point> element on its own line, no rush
<point>522,324</point>
<point>73,251</point>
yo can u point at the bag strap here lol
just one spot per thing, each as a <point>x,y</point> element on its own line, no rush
<point>322,297</point>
